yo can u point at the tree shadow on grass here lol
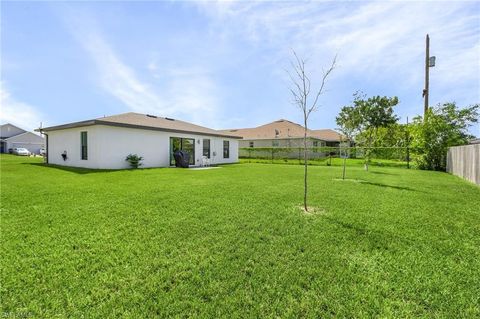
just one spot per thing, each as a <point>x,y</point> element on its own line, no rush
<point>382,173</point>
<point>77,170</point>
<point>389,186</point>
<point>388,164</point>
<point>376,238</point>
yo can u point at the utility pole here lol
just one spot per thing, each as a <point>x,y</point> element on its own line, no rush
<point>427,75</point>
<point>429,62</point>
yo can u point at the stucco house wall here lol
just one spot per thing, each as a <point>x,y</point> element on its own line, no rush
<point>109,145</point>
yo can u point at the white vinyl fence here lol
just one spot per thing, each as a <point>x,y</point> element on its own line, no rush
<point>464,161</point>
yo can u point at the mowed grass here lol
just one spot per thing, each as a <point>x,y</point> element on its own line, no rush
<point>231,242</point>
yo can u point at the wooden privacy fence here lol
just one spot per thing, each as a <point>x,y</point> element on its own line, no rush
<point>464,161</point>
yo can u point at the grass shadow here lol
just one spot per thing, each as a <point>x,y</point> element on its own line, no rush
<point>382,173</point>
<point>376,238</point>
<point>77,170</point>
<point>389,186</point>
<point>386,164</point>
<point>82,170</point>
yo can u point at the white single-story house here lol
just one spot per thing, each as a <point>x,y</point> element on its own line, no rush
<point>12,136</point>
<point>105,142</point>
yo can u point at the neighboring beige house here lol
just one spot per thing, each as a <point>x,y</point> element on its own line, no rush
<point>284,134</point>
<point>12,136</point>
<point>474,141</point>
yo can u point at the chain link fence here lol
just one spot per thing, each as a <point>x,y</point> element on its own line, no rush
<point>382,156</point>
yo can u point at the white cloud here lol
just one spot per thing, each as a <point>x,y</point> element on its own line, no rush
<point>120,80</point>
<point>194,94</point>
<point>18,113</point>
<point>186,93</point>
<point>375,40</point>
<point>152,67</point>
<point>380,46</point>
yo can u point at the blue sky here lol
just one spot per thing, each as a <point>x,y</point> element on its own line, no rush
<point>222,64</point>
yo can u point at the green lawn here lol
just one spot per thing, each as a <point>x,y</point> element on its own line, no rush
<point>231,242</point>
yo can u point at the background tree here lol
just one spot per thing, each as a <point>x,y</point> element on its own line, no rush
<point>444,126</point>
<point>391,136</point>
<point>365,118</point>
<point>306,102</point>
<point>373,113</point>
<point>376,112</point>
<point>390,142</point>
<point>349,122</point>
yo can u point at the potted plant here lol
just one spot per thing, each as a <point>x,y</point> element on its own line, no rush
<point>134,160</point>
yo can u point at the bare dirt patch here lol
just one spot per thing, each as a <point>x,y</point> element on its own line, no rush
<point>312,210</point>
<point>349,180</point>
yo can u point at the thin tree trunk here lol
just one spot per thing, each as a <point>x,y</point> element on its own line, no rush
<point>367,153</point>
<point>366,159</point>
<point>305,166</point>
<point>344,163</point>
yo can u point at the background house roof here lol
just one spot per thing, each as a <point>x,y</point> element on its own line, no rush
<point>283,129</point>
<point>8,130</point>
<point>328,135</point>
<point>25,136</point>
<point>145,121</point>
<point>474,141</point>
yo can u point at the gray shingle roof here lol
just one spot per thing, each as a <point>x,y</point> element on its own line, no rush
<point>283,129</point>
<point>144,121</point>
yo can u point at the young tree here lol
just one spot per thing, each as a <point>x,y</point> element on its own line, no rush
<point>444,126</point>
<point>305,101</point>
<point>349,121</point>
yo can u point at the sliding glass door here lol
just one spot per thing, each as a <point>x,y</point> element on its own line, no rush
<point>206,147</point>
<point>184,144</point>
<point>188,145</point>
